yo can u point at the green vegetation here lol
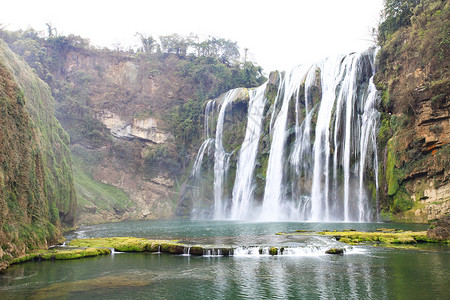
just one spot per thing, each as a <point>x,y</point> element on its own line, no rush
<point>186,70</point>
<point>125,244</point>
<point>413,68</point>
<point>93,193</point>
<point>37,196</point>
<point>396,14</point>
<point>381,237</point>
<point>61,254</point>
<point>186,126</point>
<point>335,251</point>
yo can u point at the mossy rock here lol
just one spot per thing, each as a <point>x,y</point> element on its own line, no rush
<point>335,251</point>
<point>390,236</point>
<point>196,250</point>
<point>61,254</point>
<point>173,248</point>
<point>273,251</point>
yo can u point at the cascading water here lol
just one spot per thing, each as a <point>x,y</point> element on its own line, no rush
<point>273,193</point>
<point>368,145</point>
<point>243,187</point>
<point>220,156</point>
<point>310,145</point>
<point>331,76</point>
<point>209,108</point>
<point>300,156</point>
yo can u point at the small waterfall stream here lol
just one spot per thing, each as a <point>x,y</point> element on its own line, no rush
<point>309,148</point>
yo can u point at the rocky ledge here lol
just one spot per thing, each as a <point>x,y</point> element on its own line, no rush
<point>440,230</point>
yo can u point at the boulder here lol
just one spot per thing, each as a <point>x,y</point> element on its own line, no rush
<point>441,230</point>
<point>335,251</point>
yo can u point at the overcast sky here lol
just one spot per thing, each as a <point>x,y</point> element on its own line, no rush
<point>279,34</point>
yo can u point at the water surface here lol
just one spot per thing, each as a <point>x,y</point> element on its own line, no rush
<point>364,272</point>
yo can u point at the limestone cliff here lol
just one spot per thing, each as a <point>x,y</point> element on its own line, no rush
<point>134,118</point>
<point>37,195</point>
<point>132,106</point>
<point>415,133</point>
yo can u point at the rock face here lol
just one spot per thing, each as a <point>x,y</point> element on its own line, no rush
<point>131,103</point>
<point>37,194</point>
<point>441,230</point>
<point>145,129</point>
<point>415,132</point>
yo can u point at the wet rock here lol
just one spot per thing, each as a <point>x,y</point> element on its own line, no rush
<point>196,250</point>
<point>273,251</point>
<point>335,251</point>
<point>3,266</point>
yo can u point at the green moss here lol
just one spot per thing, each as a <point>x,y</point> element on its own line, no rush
<point>381,236</point>
<point>335,251</point>
<point>401,201</point>
<point>391,172</point>
<point>72,254</point>
<point>61,254</point>
<point>123,244</point>
<point>385,98</point>
<point>273,251</point>
<point>91,192</point>
<point>385,132</point>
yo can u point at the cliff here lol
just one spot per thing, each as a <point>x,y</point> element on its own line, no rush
<point>134,118</point>
<point>114,177</point>
<point>37,195</point>
<point>414,136</point>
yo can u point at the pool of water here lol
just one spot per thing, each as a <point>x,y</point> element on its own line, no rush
<point>188,228</point>
<point>364,272</point>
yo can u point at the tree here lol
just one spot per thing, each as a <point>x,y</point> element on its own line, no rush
<point>396,14</point>
<point>149,44</point>
<point>174,44</point>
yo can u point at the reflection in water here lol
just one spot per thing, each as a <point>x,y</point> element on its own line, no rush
<point>100,286</point>
<point>375,273</point>
<point>302,272</point>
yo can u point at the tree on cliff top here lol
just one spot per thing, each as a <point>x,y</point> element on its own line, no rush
<point>396,14</point>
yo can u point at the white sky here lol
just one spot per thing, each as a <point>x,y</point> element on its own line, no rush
<point>278,33</point>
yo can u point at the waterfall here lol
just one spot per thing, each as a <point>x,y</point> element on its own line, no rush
<point>307,146</point>
<point>220,156</point>
<point>197,167</point>
<point>209,108</point>
<point>368,145</point>
<point>331,75</point>
<point>367,141</point>
<point>300,157</point>
<point>243,187</point>
<point>273,191</point>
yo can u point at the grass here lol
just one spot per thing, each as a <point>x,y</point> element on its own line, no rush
<point>91,192</point>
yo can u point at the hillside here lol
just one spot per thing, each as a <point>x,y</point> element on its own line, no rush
<point>414,137</point>
<point>134,118</point>
<point>37,195</point>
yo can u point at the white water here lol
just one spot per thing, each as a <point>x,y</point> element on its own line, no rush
<point>220,157</point>
<point>197,168</point>
<point>367,141</point>
<point>209,108</point>
<point>331,75</point>
<point>320,174</point>
<point>301,155</point>
<point>273,193</point>
<point>243,187</point>
<point>368,146</point>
